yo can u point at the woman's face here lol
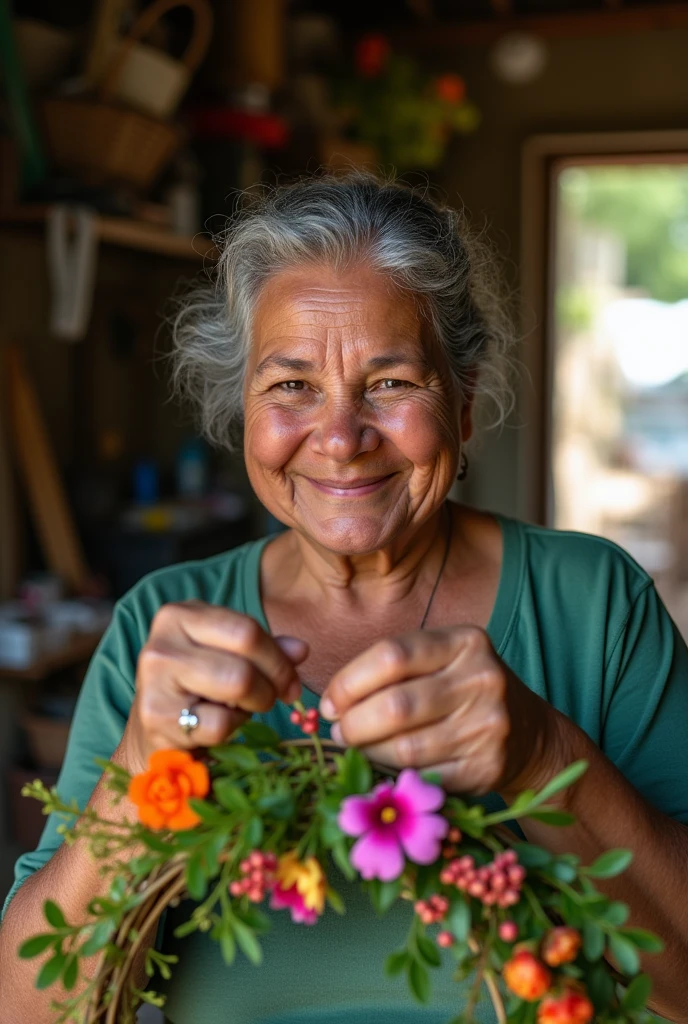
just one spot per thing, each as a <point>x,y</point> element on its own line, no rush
<point>352,425</point>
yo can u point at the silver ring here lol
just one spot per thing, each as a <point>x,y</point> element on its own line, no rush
<point>188,721</point>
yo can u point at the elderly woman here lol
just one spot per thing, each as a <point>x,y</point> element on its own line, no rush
<point>350,333</point>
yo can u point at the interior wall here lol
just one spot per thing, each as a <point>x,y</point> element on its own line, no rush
<point>606,83</point>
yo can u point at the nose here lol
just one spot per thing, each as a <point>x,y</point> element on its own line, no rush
<point>342,432</point>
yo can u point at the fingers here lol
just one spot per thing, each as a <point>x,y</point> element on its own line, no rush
<point>211,626</point>
<point>397,709</point>
<point>386,662</point>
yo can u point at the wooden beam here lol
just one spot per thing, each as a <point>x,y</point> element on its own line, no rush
<point>450,35</point>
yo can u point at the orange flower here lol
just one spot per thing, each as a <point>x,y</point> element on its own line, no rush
<point>450,88</point>
<point>161,794</point>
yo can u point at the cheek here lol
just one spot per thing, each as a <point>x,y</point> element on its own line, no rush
<point>421,431</point>
<point>271,436</point>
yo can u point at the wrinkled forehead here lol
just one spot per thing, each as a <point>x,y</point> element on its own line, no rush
<point>312,311</point>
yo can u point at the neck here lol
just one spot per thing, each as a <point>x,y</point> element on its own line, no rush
<point>385,576</point>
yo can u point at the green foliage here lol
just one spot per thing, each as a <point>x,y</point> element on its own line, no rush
<point>286,798</point>
<point>646,207</point>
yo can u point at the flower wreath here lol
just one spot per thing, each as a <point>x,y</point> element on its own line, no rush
<point>266,819</point>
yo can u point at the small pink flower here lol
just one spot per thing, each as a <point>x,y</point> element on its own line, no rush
<point>392,821</point>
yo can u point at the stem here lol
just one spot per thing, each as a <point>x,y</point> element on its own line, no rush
<point>490,983</point>
<point>479,976</point>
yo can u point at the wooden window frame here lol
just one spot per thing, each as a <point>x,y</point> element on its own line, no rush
<point>542,157</point>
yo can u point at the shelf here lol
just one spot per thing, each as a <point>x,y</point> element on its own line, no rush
<point>122,231</point>
<point>79,649</point>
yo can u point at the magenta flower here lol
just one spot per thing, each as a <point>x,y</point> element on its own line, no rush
<point>392,821</point>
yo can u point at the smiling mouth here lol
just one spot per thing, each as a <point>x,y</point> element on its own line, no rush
<point>350,488</point>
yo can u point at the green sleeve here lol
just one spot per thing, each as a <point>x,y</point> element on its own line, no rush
<point>646,704</point>
<point>99,720</point>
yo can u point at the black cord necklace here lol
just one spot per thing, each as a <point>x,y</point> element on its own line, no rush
<point>447,546</point>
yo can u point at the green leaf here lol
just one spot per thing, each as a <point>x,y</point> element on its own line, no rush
<point>531,856</point>
<point>247,941</point>
<point>196,879</point>
<point>154,842</point>
<point>186,928</point>
<point>419,981</point>
<point>207,812</point>
<point>396,963</point>
<point>564,871</point>
<point>643,939</point>
<point>70,973</point>
<point>384,894</point>
<point>238,755</point>
<point>615,914</point>
<point>254,918</point>
<point>593,941</point>
<point>279,805</point>
<point>625,953</point>
<point>51,970</point>
<point>637,994</point>
<point>253,833</point>
<point>600,987</point>
<point>459,919</point>
<point>610,864</point>
<point>227,945</point>
<point>230,795</point>
<point>427,950</point>
<point>54,915</point>
<point>260,736</point>
<point>552,817</point>
<point>99,937</point>
<point>335,901</point>
<point>340,855</point>
<point>357,775</point>
<point>562,781</point>
<point>36,945</point>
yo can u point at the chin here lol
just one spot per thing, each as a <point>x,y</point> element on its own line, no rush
<point>350,534</point>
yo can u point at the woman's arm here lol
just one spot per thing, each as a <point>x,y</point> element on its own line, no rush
<point>71,877</point>
<point>610,813</point>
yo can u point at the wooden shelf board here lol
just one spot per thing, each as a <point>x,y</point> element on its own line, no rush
<point>122,231</point>
<point>78,649</point>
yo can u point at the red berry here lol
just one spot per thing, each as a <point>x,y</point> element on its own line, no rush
<point>561,946</point>
<point>508,931</point>
<point>236,888</point>
<point>447,876</point>
<point>526,976</point>
<point>296,717</point>
<point>454,835</point>
<point>448,851</point>
<point>572,1007</point>
<point>445,939</point>
<point>310,726</point>
<point>516,874</point>
<point>245,865</point>
<point>255,859</point>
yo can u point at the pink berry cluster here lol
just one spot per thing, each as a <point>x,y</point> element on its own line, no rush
<point>432,910</point>
<point>498,883</point>
<point>258,870</point>
<point>308,720</point>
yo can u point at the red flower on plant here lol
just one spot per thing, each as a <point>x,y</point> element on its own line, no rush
<point>371,55</point>
<point>450,88</point>
<point>571,1007</point>
<point>526,976</point>
<point>161,794</point>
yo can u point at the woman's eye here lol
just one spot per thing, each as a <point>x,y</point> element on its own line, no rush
<point>391,383</point>
<point>292,385</point>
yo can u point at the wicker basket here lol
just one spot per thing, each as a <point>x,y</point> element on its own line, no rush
<point>104,143</point>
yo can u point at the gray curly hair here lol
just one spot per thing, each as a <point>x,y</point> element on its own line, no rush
<point>423,246</point>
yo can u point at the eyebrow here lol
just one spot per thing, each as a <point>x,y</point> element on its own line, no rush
<point>304,365</point>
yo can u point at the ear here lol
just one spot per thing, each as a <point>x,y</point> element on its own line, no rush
<point>467,405</point>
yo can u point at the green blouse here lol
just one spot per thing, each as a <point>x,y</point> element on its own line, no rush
<point>575,618</point>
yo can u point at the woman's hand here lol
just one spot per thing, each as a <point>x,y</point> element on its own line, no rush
<point>218,662</point>
<point>444,701</point>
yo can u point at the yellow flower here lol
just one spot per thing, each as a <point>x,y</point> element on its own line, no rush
<point>307,876</point>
